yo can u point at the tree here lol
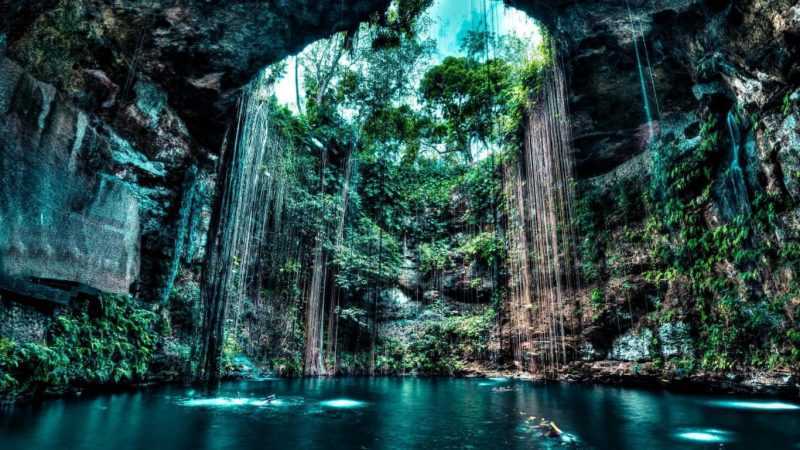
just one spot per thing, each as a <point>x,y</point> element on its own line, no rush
<point>466,95</point>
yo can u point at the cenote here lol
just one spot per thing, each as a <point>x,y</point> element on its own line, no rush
<point>399,413</point>
<point>433,224</point>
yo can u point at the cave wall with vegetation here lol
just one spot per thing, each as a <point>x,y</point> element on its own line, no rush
<point>131,101</point>
<point>690,264</point>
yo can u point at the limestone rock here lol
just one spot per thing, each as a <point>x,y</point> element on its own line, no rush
<point>395,305</point>
<point>57,221</point>
<point>675,340</point>
<point>81,202</point>
<point>632,346</point>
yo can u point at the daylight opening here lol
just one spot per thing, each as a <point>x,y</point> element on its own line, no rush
<point>403,192</point>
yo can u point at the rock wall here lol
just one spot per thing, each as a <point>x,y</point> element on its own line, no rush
<point>124,105</point>
<point>60,220</point>
<point>200,53</point>
<point>23,322</point>
<point>84,205</point>
<point>733,64</point>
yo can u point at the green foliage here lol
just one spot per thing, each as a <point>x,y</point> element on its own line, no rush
<point>356,363</point>
<point>480,189</point>
<point>368,255</point>
<point>737,324</point>
<point>184,302</point>
<point>597,297</point>
<point>62,38</point>
<point>231,348</point>
<point>523,89</point>
<point>108,341</point>
<point>381,82</point>
<point>434,256</point>
<point>682,189</point>
<point>287,366</point>
<point>399,21</point>
<point>28,368</point>
<point>466,94</point>
<point>409,183</point>
<point>441,347</point>
<point>354,315</point>
<point>486,247</point>
<point>787,104</point>
<point>591,231</point>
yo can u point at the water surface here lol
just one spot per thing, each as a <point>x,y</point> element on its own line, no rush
<point>392,413</point>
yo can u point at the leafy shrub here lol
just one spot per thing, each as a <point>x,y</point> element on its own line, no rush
<point>434,256</point>
<point>485,247</point>
<point>287,366</point>
<point>597,297</point>
<point>441,347</point>
<point>369,254</point>
<point>110,340</point>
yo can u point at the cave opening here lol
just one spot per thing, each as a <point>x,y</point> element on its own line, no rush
<point>401,143</point>
<point>312,223</point>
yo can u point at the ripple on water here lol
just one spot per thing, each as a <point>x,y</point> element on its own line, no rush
<point>222,402</point>
<point>705,435</point>
<point>755,405</point>
<point>493,381</point>
<point>228,402</point>
<point>342,403</point>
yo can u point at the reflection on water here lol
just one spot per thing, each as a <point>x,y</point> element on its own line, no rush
<point>342,403</point>
<point>223,402</point>
<point>493,381</point>
<point>392,413</point>
<point>758,405</point>
<point>226,402</point>
<point>707,435</point>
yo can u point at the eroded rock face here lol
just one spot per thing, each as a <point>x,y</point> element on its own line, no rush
<point>394,304</point>
<point>79,202</point>
<point>633,346</point>
<point>57,220</point>
<point>692,55</point>
<point>674,340</point>
<point>199,52</point>
<point>148,86</point>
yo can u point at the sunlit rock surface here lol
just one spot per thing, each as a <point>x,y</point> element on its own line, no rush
<point>674,339</point>
<point>394,304</point>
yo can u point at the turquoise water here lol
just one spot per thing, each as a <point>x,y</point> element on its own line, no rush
<point>392,413</point>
